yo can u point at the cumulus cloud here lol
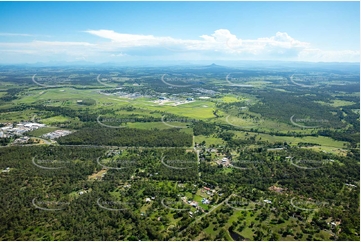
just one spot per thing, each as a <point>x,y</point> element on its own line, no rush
<point>126,40</point>
<point>221,44</point>
<point>222,40</point>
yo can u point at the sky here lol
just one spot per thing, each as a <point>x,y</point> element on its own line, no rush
<point>120,32</point>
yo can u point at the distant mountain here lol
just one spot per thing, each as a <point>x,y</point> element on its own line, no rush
<point>215,67</point>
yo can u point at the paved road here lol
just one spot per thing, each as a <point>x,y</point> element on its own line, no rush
<point>301,85</point>
<point>105,146</point>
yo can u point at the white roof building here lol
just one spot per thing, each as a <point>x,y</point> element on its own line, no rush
<point>30,125</point>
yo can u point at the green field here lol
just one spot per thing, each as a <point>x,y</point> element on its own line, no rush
<point>25,115</point>
<point>39,132</point>
<point>209,140</point>
<point>55,119</point>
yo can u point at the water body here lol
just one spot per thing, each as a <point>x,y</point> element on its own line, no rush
<point>236,236</point>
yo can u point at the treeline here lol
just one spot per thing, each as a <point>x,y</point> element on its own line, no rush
<point>203,128</point>
<point>87,102</point>
<point>97,135</point>
<point>11,94</point>
<point>345,135</point>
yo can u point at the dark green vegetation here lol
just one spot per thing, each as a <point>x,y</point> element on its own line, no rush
<point>127,137</point>
<point>144,163</point>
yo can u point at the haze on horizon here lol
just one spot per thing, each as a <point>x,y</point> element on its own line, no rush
<point>120,32</point>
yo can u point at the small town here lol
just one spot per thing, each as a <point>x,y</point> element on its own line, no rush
<point>12,129</point>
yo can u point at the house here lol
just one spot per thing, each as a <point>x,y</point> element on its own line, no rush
<point>147,199</point>
<point>21,140</point>
<point>224,160</point>
<point>34,125</point>
<point>267,201</point>
<point>333,225</point>
<point>7,169</point>
<point>208,189</point>
<point>194,204</point>
<point>205,201</point>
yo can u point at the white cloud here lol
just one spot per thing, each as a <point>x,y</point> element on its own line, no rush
<point>118,54</point>
<point>15,34</point>
<point>221,44</point>
<point>46,47</point>
<point>220,41</point>
<point>127,40</point>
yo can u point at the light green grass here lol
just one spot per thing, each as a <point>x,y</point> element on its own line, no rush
<point>337,103</point>
<point>39,132</point>
<point>229,99</point>
<point>25,115</point>
<point>199,109</point>
<point>261,124</point>
<point>55,119</point>
<point>209,140</point>
<point>322,140</point>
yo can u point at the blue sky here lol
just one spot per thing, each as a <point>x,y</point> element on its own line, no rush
<point>151,31</point>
